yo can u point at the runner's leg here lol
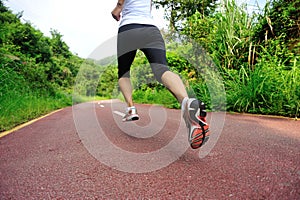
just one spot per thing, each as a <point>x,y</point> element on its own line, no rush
<point>124,63</point>
<point>157,59</point>
<point>126,89</point>
<point>174,83</point>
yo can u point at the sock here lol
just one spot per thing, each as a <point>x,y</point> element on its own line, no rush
<point>130,108</point>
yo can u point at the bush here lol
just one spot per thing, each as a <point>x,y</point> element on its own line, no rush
<point>268,89</point>
<point>158,95</point>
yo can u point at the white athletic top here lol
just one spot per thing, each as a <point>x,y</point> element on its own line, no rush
<point>137,12</point>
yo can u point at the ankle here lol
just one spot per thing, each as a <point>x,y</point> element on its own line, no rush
<point>131,107</point>
<point>183,103</point>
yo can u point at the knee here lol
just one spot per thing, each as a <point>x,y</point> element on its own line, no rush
<point>159,70</point>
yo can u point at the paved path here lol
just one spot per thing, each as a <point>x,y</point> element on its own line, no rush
<point>255,157</point>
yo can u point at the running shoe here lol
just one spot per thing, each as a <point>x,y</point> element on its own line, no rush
<point>131,114</point>
<point>195,119</point>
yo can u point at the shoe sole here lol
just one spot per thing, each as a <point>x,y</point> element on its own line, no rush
<point>132,118</point>
<point>197,138</point>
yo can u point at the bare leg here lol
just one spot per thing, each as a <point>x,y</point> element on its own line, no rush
<point>126,89</point>
<point>174,83</point>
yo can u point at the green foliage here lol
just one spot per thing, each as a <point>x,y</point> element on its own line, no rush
<point>260,72</point>
<point>146,87</point>
<point>108,82</point>
<point>141,73</point>
<point>180,10</point>
<point>279,22</point>
<point>59,47</point>
<point>268,89</point>
<point>225,35</point>
<point>280,19</point>
<point>95,80</point>
<point>179,64</point>
<point>87,80</point>
<point>36,72</point>
<point>157,95</point>
<point>20,103</point>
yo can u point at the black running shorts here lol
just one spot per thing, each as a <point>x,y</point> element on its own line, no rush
<point>149,40</point>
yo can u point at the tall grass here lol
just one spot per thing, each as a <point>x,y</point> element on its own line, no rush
<point>24,107</point>
<point>267,89</point>
<point>259,76</point>
<point>19,103</point>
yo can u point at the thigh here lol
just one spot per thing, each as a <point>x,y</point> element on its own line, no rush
<point>124,63</point>
<point>158,61</point>
<point>155,55</point>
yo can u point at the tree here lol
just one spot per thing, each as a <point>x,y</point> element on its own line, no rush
<point>59,47</point>
<point>281,18</point>
<point>2,7</point>
<point>180,10</point>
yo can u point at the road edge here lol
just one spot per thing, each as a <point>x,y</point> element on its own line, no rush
<point>5,133</point>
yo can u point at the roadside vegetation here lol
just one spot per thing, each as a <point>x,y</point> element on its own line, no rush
<point>256,54</point>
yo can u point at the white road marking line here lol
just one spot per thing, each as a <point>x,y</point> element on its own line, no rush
<point>119,113</point>
<point>102,106</point>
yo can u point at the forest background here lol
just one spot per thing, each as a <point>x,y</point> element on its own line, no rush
<point>229,58</point>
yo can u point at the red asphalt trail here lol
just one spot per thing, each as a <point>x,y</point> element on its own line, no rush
<point>256,157</point>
